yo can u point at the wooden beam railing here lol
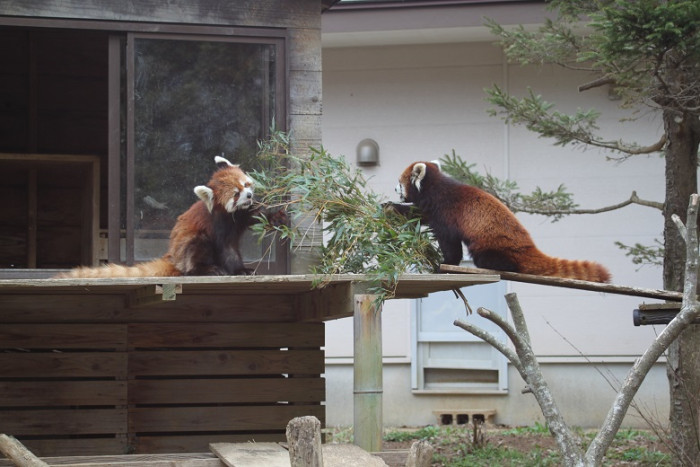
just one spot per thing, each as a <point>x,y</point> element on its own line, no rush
<point>569,283</point>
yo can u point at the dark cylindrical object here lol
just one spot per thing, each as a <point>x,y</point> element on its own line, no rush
<point>649,317</point>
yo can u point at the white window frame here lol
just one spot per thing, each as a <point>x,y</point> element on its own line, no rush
<point>490,296</point>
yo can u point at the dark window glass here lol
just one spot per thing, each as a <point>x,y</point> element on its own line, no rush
<point>193,100</point>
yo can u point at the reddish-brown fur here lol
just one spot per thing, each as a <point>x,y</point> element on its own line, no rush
<point>205,239</point>
<point>459,213</point>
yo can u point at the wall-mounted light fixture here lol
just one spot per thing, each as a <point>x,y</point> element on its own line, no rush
<point>367,153</point>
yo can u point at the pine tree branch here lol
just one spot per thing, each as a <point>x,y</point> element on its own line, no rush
<point>633,199</point>
<point>632,150</point>
<point>537,115</point>
<point>596,83</point>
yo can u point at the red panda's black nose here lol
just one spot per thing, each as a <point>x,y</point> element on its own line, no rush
<point>250,195</point>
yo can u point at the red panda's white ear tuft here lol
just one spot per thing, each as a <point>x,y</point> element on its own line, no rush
<point>417,174</point>
<point>439,165</point>
<point>222,162</point>
<point>205,194</point>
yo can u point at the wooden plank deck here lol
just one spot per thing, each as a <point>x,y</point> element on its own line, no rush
<point>106,366</point>
<point>409,285</point>
<point>133,460</point>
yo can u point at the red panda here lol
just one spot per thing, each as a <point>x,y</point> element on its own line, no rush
<point>205,239</point>
<point>458,213</point>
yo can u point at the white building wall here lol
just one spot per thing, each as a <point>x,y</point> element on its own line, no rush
<point>420,102</point>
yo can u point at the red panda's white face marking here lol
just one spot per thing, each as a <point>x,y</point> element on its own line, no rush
<point>242,198</point>
<point>412,178</point>
<point>230,187</point>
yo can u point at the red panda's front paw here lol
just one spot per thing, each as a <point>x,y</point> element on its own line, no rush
<point>389,207</point>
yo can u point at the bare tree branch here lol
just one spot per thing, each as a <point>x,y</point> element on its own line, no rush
<point>679,224</point>
<point>565,438</point>
<point>526,363</point>
<point>503,324</point>
<point>689,311</point>
<point>491,339</point>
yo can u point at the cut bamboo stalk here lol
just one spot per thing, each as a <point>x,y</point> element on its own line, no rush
<point>368,422</point>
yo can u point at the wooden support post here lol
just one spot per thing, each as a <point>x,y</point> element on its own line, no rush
<point>304,440</point>
<point>18,454</point>
<point>368,422</point>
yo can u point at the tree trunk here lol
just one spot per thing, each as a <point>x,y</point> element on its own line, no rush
<point>683,364</point>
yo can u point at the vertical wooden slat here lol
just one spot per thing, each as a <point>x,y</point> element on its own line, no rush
<point>130,108</point>
<point>90,215</point>
<point>113,149</point>
<point>33,93</point>
<point>367,409</point>
<point>31,217</point>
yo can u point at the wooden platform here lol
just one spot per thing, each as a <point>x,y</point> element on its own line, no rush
<point>134,460</point>
<point>169,365</point>
<point>395,458</point>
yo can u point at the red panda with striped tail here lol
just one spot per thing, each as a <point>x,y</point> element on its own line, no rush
<point>458,213</point>
<point>205,239</point>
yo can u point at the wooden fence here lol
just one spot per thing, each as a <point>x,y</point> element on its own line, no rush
<point>73,387</point>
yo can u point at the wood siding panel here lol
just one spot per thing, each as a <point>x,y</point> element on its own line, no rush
<point>193,419</point>
<point>55,308</point>
<point>268,13</point>
<point>62,393</point>
<point>305,93</point>
<point>273,335</point>
<point>307,132</point>
<point>243,362</point>
<point>62,336</point>
<point>77,446</point>
<point>63,365</point>
<point>61,422</point>
<point>305,49</point>
<point>208,391</point>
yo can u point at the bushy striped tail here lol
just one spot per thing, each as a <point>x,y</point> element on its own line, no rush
<point>156,268</point>
<point>568,269</point>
